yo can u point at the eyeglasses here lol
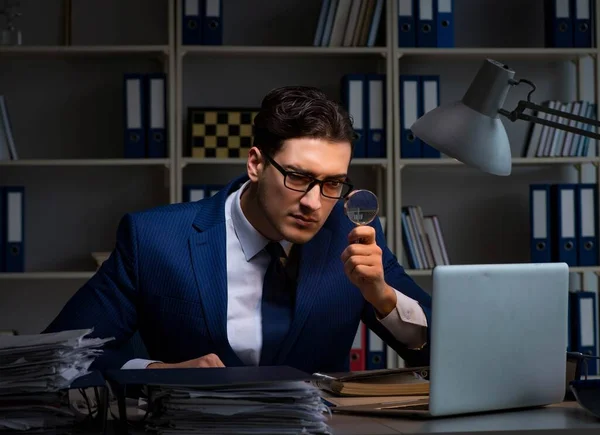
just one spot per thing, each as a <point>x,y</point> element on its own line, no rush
<point>299,182</point>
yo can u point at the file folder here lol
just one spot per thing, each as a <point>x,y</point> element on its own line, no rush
<point>539,222</point>
<point>559,23</point>
<point>410,101</point>
<point>193,192</point>
<point>426,24</point>
<point>354,99</point>
<point>191,22</point>
<point>135,122</point>
<point>157,119</point>
<point>357,352</point>
<point>582,23</point>
<point>583,328</point>
<point>430,94</point>
<point>407,34</point>
<point>212,29</point>
<point>564,223</point>
<point>587,223</point>
<point>14,231</point>
<point>445,23</point>
<point>376,352</point>
<point>376,104</point>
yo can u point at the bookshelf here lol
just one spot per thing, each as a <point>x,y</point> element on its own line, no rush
<point>78,184</point>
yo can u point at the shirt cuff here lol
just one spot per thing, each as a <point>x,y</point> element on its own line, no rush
<point>407,322</point>
<point>137,363</point>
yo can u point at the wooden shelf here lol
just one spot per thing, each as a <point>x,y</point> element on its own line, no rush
<point>60,50</point>
<point>428,272</point>
<point>47,275</point>
<point>499,54</point>
<point>85,162</point>
<point>516,161</point>
<point>241,50</point>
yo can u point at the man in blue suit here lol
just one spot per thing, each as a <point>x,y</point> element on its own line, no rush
<point>269,271</point>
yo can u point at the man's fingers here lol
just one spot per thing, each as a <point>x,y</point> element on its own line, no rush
<point>364,234</point>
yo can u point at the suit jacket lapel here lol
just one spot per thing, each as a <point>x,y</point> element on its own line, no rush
<point>313,257</point>
<point>209,264</point>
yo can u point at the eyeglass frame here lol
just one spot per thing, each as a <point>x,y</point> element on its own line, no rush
<point>312,184</point>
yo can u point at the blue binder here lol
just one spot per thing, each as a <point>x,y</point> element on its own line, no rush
<point>540,245</point>
<point>191,22</point>
<point>376,352</point>
<point>564,218</point>
<point>212,29</point>
<point>354,99</point>
<point>194,192</point>
<point>14,228</point>
<point>430,99</point>
<point>410,108</point>
<point>586,200</point>
<point>582,13</point>
<point>407,32</point>
<point>445,23</point>
<point>157,115</point>
<point>426,24</point>
<point>375,115</point>
<point>134,96</point>
<point>582,305</point>
<point>558,23</point>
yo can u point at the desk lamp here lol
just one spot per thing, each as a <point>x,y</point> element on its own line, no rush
<point>470,130</point>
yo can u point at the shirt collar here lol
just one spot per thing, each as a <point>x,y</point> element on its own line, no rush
<point>251,241</point>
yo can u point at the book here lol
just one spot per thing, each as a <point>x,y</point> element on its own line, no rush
<point>408,381</point>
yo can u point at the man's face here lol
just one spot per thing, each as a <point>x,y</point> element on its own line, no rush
<point>298,216</point>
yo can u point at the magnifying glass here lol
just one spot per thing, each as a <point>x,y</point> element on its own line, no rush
<point>361,206</point>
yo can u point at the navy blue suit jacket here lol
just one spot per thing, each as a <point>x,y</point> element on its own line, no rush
<point>166,278</point>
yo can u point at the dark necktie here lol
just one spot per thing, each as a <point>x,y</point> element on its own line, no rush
<point>277,304</point>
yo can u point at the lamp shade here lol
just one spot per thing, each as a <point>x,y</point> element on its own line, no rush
<point>470,130</point>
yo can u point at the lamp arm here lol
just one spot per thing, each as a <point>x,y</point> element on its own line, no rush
<point>518,114</point>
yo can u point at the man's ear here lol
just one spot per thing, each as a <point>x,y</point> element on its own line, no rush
<point>255,164</point>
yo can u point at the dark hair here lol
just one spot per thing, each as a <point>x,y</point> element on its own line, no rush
<point>300,111</point>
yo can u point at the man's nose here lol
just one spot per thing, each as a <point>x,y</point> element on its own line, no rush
<point>312,198</point>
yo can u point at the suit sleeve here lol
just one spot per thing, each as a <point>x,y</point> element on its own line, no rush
<point>107,302</point>
<point>397,278</point>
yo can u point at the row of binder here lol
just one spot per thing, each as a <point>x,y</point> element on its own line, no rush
<point>546,141</point>
<point>364,96</point>
<point>145,115</point>
<point>12,229</point>
<point>201,22</point>
<point>569,23</point>
<point>418,95</point>
<point>426,23</point>
<point>564,223</point>
<point>349,23</point>
<point>196,192</point>
<point>423,239</point>
<point>368,351</point>
<point>582,323</point>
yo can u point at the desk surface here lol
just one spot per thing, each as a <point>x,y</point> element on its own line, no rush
<point>565,418</point>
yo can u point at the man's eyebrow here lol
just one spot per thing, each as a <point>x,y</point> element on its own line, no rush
<point>312,174</point>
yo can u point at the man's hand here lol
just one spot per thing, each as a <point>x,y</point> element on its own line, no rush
<point>210,360</point>
<point>364,267</point>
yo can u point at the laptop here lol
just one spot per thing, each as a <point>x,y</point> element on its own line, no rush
<point>498,341</point>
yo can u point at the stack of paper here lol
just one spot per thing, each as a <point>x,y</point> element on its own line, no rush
<point>36,370</point>
<point>281,408</point>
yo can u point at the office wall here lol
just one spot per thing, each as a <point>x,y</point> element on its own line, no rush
<point>70,107</point>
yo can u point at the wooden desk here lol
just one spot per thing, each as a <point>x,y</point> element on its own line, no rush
<point>561,419</point>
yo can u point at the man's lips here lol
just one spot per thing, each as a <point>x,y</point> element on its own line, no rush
<point>304,219</point>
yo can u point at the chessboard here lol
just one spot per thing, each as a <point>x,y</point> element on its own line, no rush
<point>220,132</point>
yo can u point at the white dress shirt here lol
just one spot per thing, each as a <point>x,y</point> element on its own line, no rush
<point>247,263</point>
